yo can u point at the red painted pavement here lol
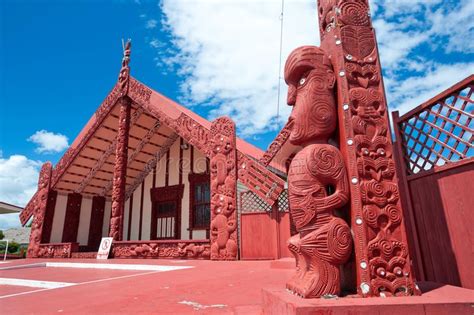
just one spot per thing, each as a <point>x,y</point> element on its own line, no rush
<point>236,286</point>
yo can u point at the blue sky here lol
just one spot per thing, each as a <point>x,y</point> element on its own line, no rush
<point>59,59</point>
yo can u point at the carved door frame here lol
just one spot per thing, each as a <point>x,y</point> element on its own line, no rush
<point>166,194</point>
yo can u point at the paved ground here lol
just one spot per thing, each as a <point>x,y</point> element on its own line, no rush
<point>205,287</point>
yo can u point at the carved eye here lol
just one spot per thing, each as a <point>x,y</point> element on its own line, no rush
<point>302,81</point>
<point>365,151</point>
<point>381,152</point>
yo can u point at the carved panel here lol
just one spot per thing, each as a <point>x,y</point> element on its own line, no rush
<point>37,207</point>
<point>162,249</point>
<point>120,171</point>
<point>382,260</point>
<point>223,167</point>
<point>57,250</point>
<point>276,145</point>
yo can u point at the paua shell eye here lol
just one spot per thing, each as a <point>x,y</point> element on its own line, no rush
<point>381,152</point>
<point>302,81</point>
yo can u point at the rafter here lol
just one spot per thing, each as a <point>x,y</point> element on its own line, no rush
<point>151,165</point>
<point>105,156</point>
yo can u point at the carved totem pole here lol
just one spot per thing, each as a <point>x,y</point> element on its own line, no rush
<point>39,203</point>
<point>121,150</point>
<point>317,180</point>
<point>383,265</point>
<point>223,166</point>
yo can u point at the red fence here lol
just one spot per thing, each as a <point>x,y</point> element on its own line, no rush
<point>264,230</point>
<point>435,157</point>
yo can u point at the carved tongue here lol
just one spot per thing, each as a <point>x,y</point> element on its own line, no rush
<point>363,81</point>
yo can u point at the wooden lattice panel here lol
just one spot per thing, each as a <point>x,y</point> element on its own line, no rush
<point>251,202</point>
<point>440,131</point>
<point>283,203</point>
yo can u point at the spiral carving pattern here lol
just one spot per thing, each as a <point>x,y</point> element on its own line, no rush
<point>355,13</point>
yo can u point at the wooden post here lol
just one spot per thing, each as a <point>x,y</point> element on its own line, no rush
<point>406,200</point>
<point>223,167</point>
<point>120,171</point>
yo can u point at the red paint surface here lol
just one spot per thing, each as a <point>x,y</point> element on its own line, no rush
<point>238,283</point>
<point>258,240</point>
<point>435,299</point>
<point>264,227</point>
<point>442,206</point>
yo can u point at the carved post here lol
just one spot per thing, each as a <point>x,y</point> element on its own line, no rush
<point>120,171</point>
<point>317,179</point>
<point>223,165</point>
<point>121,150</point>
<point>383,264</point>
<point>39,202</point>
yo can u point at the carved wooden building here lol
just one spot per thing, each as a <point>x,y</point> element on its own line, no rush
<point>158,178</point>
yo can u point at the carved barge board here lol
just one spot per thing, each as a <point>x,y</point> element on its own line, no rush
<point>383,264</point>
<point>37,207</point>
<point>276,145</point>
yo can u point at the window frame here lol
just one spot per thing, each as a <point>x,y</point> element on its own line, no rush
<point>172,194</point>
<point>196,179</point>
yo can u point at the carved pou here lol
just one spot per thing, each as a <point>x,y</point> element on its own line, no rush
<point>317,179</point>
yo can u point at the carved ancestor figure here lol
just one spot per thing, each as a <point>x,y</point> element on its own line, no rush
<point>223,164</point>
<point>317,179</point>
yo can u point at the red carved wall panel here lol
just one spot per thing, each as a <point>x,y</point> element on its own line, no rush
<point>48,217</point>
<point>57,250</point>
<point>96,222</point>
<point>223,167</point>
<point>71,221</point>
<point>162,249</point>
<point>37,207</point>
<point>381,249</point>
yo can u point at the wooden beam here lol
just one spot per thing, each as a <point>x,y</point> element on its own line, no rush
<point>103,158</point>
<point>150,165</point>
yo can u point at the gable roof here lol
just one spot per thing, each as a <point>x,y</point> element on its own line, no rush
<point>87,166</point>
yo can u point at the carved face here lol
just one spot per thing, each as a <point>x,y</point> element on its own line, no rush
<point>326,13</point>
<point>310,80</point>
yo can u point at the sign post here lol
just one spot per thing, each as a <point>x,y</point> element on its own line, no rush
<point>104,248</point>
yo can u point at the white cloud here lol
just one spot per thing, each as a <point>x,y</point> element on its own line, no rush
<point>229,54</point>
<point>49,142</point>
<point>152,23</point>
<point>411,92</point>
<point>18,179</point>
<point>155,43</point>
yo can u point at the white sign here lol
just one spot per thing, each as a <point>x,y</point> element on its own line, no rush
<point>104,248</point>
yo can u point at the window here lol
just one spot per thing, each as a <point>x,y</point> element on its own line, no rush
<point>166,212</point>
<point>200,201</point>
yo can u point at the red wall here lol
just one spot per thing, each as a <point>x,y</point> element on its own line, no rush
<point>443,207</point>
<point>263,237</point>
